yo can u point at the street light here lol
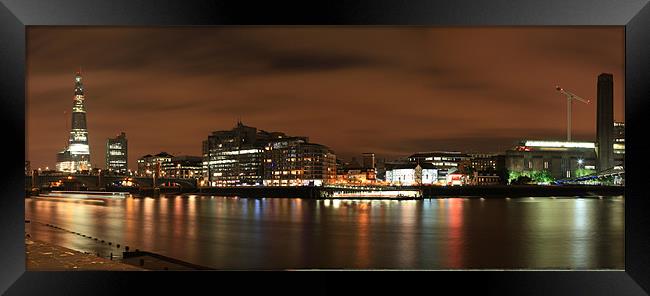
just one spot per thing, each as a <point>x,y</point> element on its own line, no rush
<point>99,178</point>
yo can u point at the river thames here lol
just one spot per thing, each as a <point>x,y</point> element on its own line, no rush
<point>287,233</point>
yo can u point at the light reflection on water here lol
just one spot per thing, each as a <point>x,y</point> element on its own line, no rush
<point>267,233</point>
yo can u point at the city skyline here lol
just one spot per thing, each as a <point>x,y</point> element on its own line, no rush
<point>342,87</point>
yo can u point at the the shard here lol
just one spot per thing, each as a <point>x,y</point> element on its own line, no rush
<point>76,157</point>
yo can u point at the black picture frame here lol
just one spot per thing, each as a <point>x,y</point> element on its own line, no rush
<point>15,15</point>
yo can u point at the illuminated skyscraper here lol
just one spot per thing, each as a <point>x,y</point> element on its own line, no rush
<point>76,157</point>
<point>117,154</point>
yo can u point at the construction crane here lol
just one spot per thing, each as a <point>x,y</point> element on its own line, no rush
<point>569,99</point>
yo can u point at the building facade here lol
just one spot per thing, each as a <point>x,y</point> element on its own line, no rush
<point>150,165</point>
<point>245,156</point>
<point>234,157</point>
<point>444,161</point>
<point>353,173</point>
<point>487,169</point>
<point>356,176</point>
<point>619,144</point>
<point>183,166</point>
<point>293,161</point>
<point>76,156</point>
<point>560,159</point>
<point>412,174</point>
<point>117,155</point>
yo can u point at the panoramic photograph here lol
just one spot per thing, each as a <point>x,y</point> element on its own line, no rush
<point>335,148</point>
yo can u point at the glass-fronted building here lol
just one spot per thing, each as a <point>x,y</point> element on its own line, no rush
<point>234,157</point>
<point>153,164</point>
<point>246,156</point>
<point>293,161</point>
<point>184,166</point>
<point>117,154</point>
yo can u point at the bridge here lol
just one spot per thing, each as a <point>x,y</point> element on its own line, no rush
<point>76,181</point>
<point>613,176</point>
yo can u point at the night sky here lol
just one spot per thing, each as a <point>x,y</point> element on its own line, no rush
<point>388,90</point>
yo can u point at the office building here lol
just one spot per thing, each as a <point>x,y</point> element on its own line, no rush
<point>76,156</point>
<point>487,169</point>
<point>293,161</point>
<point>234,157</point>
<point>149,165</point>
<point>117,154</point>
<point>183,166</point>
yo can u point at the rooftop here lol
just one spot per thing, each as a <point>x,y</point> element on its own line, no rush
<point>559,144</point>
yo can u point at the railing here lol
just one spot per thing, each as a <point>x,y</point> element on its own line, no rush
<point>598,178</point>
<point>77,193</point>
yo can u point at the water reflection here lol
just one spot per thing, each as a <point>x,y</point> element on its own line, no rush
<point>268,233</point>
<point>454,211</point>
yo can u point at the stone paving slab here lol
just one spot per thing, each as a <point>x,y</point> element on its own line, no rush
<point>42,256</point>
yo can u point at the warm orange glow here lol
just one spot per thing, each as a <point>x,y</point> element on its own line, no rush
<point>379,73</point>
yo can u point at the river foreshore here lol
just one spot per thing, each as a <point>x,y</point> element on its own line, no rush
<point>43,256</point>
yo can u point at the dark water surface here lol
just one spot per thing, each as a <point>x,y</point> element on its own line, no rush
<point>454,233</point>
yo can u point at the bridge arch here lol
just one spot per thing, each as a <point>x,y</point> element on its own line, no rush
<point>182,183</point>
